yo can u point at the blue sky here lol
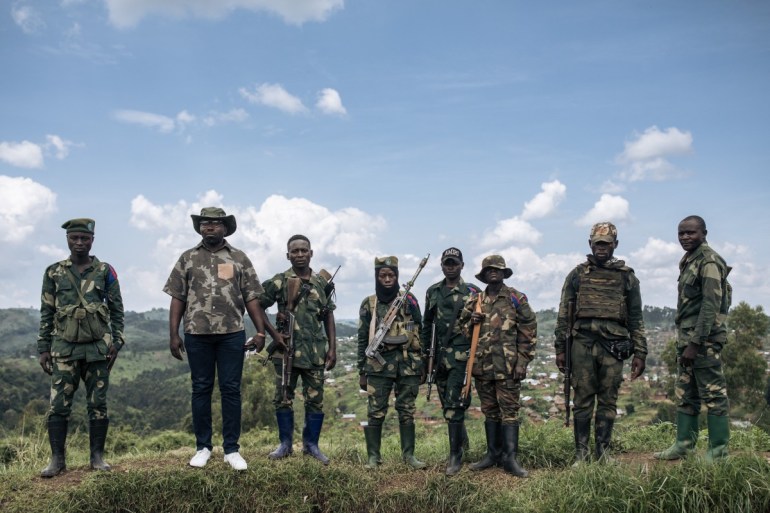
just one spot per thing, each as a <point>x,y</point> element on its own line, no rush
<point>398,127</point>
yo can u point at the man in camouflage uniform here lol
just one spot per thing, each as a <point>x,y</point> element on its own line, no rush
<point>210,286</point>
<point>443,301</point>
<point>506,345</point>
<point>608,328</point>
<point>701,311</point>
<point>81,332</point>
<point>306,295</point>
<point>403,365</point>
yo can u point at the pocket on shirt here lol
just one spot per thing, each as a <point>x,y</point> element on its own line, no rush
<point>225,271</point>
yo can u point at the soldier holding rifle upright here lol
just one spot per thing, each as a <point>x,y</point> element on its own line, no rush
<point>305,317</point>
<point>390,357</point>
<point>443,301</point>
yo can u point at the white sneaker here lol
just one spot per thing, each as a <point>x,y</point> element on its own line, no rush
<point>201,458</point>
<point>236,461</point>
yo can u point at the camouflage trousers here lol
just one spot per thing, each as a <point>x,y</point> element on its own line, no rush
<point>703,383</point>
<point>449,382</point>
<point>65,381</point>
<point>499,399</point>
<point>312,388</point>
<point>596,379</point>
<point>379,387</point>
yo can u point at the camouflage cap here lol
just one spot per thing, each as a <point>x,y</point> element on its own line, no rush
<point>496,261</point>
<point>214,214</point>
<point>82,224</point>
<point>604,232</point>
<point>388,261</point>
<point>452,253</point>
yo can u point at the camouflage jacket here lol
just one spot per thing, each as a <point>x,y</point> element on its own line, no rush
<point>508,333</point>
<point>59,291</point>
<point>401,360</point>
<point>610,329</point>
<point>704,297</point>
<point>215,288</point>
<point>310,339</point>
<point>440,305</point>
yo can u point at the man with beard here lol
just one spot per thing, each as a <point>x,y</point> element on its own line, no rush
<point>443,301</point>
<point>210,286</point>
<point>403,366</point>
<point>81,332</point>
<point>701,311</point>
<point>506,345</point>
<point>608,329</point>
<point>311,306</point>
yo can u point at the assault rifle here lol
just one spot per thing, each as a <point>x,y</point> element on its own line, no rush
<point>295,291</point>
<point>288,358</point>
<point>465,395</point>
<point>377,341</point>
<point>568,359</point>
<point>431,359</point>
<point>328,290</point>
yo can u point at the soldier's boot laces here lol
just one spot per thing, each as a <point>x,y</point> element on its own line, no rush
<point>455,463</point>
<point>582,428</point>
<point>407,446</point>
<point>285,419</point>
<point>373,435</point>
<point>310,435</point>
<point>57,437</point>
<point>97,434</point>
<point>719,436</point>
<point>511,450</point>
<point>603,439</point>
<point>686,437</point>
<point>493,431</point>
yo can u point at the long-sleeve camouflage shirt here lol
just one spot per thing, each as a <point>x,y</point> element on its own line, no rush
<point>508,333</point>
<point>215,288</point>
<point>442,306</point>
<point>704,297</point>
<point>310,338</point>
<point>400,360</point>
<point>633,325</point>
<point>59,291</point>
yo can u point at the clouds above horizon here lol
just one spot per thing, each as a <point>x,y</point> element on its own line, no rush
<point>609,207</point>
<point>24,203</point>
<point>646,157</point>
<point>31,155</point>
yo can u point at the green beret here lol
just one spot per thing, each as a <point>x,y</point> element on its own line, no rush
<point>83,224</point>
<point>388,261</point>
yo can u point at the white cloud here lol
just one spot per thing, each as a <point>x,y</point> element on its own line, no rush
<point>232,116</point>
<point>162,123</point>
<point>656,254</point>
<point>610,187</point>
<point>511,231</point>
<point>646,157</point>
<point>126,13</point>
<point>27,18</point>
<point>184,118</point>
<point>53,252</point>
<point>546,201</point>
<point>23,204</point>
<point>608,208</point>
<point>22,154</point>
<point>329,102</point>
<point>60,146</point>
<point>274,95</point>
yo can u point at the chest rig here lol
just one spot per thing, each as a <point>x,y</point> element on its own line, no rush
<point>601,293</point>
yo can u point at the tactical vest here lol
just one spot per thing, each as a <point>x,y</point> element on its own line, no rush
<point>601,293</point>
<point>400,332</point>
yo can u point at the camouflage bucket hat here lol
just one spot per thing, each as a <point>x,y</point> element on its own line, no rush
<point>214,214</point>
<point>604,232</point>
<point>495,261</point>
<point>82,224</point>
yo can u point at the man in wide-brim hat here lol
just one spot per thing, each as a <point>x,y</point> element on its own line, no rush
<point>215,214</point>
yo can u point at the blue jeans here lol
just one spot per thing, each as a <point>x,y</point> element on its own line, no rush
<point>223,355</point>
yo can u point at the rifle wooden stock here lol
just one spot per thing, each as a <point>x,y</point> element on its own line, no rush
<point>465,396</point>
<point>568,360</point>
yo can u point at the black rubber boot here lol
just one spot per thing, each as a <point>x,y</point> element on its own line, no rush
<point>97,431</point>
<point>310,435</point>
<point>511,450</point>
<point>603,439</point>
<point>582,428</point>
<point>494,446</point>
<point>285,419</point>
<point>455,463</point>
<point>407,446</point>
<point>466,440</point>
<point>57,437</point>
<point>373,435</point>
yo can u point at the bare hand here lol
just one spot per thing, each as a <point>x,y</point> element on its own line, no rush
<point>637,368</point>
<point>561,362</point>
<point>331,359</point>
<point>477,317</point>
<point>176,346</point>
<point>254,344</point>
<point>688,355</point>
<point>112,355</point>
<point>362,382</point>
<point>46,363</point>
<point>520,373</point>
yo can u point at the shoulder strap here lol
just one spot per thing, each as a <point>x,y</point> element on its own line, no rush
<point>373,321</point>
<point>77,286</point>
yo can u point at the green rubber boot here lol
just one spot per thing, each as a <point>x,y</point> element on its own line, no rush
<point>686,437</point>
<point>373,435</point>
<point>719,436</point>
<point>407,446</point>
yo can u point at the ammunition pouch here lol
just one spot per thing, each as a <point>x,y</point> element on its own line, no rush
<point>80,324</point>
<point>620,349</point>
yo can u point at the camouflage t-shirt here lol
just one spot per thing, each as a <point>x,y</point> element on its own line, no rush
<point>508,333</point>
<point>215,288</point>
<point>59,291</point>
